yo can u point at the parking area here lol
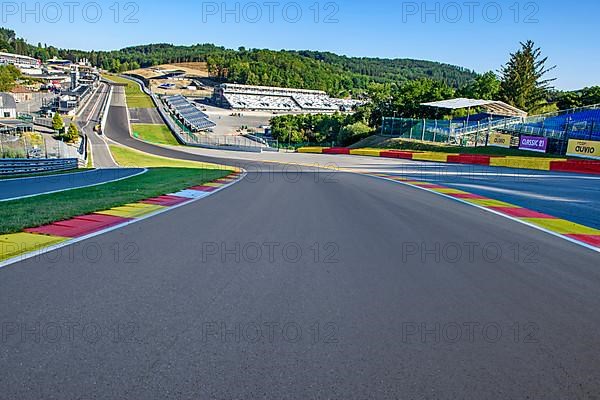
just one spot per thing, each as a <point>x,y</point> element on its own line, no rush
<point>229,121</point>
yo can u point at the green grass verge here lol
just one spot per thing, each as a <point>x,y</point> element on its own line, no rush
<point>127,157</point>
<point>164,176</point>
<point>379,142</point>
<point>136,98</point>
<point>41,210</point>
<point>158,134</point>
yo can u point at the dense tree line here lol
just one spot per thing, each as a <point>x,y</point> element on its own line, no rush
<point>319,128</point>
<point>395,70</point>
<point>9,75</point>
<point>339,76</point>
<point>579,98</point>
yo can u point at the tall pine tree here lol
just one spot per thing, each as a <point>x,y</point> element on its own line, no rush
<point>522,79</point>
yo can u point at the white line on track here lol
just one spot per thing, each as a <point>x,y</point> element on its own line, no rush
<point>76,187</point>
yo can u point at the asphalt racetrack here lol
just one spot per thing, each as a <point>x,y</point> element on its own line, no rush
<point>90,117</point>
<point>305,285</point>
<point>26,187</point>
<point>575,197</point>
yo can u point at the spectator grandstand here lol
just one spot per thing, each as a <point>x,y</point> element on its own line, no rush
<point>474,130</point>
<point>265,98</point>
<point>582,123</point>
<point>188,113</point>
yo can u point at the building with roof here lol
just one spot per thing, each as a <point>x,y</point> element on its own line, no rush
<point>18,60</point>
<point>8,106</point>
<point>278,99</point>
<point>21,94</point>
<point>492,106</point>
<point>188,113</point>
<point>13,126</point>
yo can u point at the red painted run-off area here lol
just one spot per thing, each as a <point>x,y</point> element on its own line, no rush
<point>166,201</point>
<point>520,212</point>
<point>79,226</point>
<point>589,239</point>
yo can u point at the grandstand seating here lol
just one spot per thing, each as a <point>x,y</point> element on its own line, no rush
<point>579,124</point>
<point>280,99</point>
<point>481,118</point>
<point>188,113</point>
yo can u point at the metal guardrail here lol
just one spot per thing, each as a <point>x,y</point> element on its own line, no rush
<point>29,166</point>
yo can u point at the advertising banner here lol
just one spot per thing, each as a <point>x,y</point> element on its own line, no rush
<point>534,143</point>
<point>499,140</point>
<point>584,148</point>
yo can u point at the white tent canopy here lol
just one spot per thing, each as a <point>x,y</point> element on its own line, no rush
<point>495,107</point>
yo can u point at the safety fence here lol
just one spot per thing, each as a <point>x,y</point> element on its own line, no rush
<point>35,145</point>
<point>463,133</point>
<point>558,127</point>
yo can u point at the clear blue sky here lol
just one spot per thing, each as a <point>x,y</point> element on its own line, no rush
<point>475,34</point>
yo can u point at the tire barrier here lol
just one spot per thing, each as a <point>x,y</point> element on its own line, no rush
<point>579,166</point>
<point>337,150</point>
<point>366,152</point>
<point>405,155</point>
<point>437,157</point>
<point>534,163</point>
<point>313,150</point>
<point>470,159</point>
<point>542,164</point>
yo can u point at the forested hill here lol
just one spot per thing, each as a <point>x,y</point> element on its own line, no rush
<point>396,70</point>
<point>304,69</point>
<point>338,75</point>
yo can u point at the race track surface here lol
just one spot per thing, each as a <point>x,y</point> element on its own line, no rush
<point>14,188</point>
<point>305,285</point>
<point>90,117</point>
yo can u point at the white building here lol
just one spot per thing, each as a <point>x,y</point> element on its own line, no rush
<point>8,106</point>
<point>19,60</point>
<point>27,65</point>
